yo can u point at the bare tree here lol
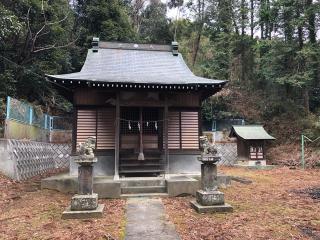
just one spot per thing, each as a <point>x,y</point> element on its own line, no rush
<point>137,9</point>
<point>32,36</point>
<point>199,7</point>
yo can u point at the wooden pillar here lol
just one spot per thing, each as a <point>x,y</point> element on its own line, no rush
<point>141,155</point>
<point>166,136</point>
<point>117,138</point>
<point>74,130</point>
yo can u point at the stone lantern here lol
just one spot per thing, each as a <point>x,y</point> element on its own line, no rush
<point>208,198</point>
<point>85,203</point>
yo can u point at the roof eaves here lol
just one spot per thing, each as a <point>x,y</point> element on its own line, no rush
<point>266,136</point>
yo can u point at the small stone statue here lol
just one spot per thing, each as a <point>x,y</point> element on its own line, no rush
<point>85,203</point>
<point>206,147</point>
<point>208,198</point>
<point>85,150</point>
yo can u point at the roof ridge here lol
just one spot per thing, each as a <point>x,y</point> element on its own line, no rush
<point>135,46</point>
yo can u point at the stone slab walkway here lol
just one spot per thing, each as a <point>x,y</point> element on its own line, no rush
<point>146,220</point>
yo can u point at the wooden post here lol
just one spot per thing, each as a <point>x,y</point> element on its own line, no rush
<point>141,155</point>
<point>74,130</point>
<point>166,150</point>
<point>117,138</point>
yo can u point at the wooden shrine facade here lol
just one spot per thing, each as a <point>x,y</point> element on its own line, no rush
<point>142,104</point>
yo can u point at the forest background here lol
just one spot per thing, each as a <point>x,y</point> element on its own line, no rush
<point>269,51</point>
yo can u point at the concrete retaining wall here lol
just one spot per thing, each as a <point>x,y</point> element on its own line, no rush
<point>19,130</point>
<point>21,160</point>
<point>61,136</point>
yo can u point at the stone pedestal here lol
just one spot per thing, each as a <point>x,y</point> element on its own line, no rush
<point>85,203</point>
<point>209,178</point>
<point>209,199</point>
<point>85,178</point>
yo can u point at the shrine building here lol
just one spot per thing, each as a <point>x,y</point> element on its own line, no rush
<point>142,103</point>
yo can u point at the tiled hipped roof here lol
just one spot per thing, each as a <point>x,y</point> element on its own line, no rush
<point>136,64</point>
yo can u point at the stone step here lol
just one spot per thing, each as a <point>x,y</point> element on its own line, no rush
<point>142,182</point>
<point>135,158</point>
<point>137,164</point>
<point>144,195</point>
<point>143,189</point>
<point>141,171</point>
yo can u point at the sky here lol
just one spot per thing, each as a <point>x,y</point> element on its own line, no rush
<point>171,13</point>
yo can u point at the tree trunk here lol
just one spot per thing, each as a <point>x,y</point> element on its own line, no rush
<point>311,21</point>
<point>196,46</point>
<point>243,17</point>
<point>300,29</point>
<point>267,21</point>
<point>261,19</point>
<point>252,17</point>
<point>306,100</point>
<point>201,19</point>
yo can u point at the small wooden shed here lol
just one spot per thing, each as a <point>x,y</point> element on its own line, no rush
<point>251,147</point>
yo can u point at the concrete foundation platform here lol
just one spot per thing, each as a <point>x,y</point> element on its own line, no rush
<point>106,187</point>
<point>84,214</point>
<point>181,185</point>
<point>211,209</point>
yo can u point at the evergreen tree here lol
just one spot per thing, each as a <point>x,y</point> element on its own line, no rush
<point>37,40</point>
<point>154,26</point>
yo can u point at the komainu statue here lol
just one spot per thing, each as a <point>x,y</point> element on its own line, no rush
<point>207,149</point>
<point>85,150</point>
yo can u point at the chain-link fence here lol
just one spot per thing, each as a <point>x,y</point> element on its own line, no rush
<point>28,114</point>
<point>303,153</point>
<point>61,123</point>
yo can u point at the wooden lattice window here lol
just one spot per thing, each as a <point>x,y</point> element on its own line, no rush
<point>256,152</point>
<point>99,123</point>
<point>174,134</point>
<point>86,124</point>
<point>183,130</point>
<point>130,121</point>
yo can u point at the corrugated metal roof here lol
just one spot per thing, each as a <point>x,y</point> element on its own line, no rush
<point>122,65</point>
<point>251,132</point>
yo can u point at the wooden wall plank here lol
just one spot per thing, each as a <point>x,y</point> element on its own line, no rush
<point>190,130</point>
<point>106,128</point>
<point>174,130</point>
<point>99,123</point>
<point>86,125</point>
